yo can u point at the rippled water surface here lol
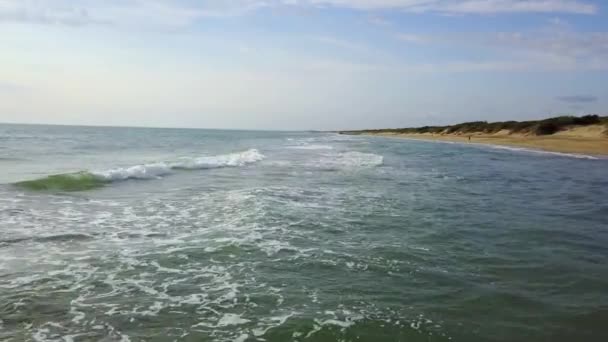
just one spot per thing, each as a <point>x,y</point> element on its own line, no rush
<point>198,235</point>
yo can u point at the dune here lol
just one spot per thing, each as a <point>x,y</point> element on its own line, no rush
<point>584,138</point>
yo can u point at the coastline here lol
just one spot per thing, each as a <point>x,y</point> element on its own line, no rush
<point>564,142</point>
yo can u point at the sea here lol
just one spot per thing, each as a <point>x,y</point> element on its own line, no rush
<point>144,234</point>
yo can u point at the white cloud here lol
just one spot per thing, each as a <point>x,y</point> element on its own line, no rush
<point>130,13</point>
<point>379,21</point>
<point>555,47</point>
<point>39,12</point>
<point>341,43</point>
<point>569,45</point>
<point>512,6</point>
<point>463,6</point>
<point>183,12</point>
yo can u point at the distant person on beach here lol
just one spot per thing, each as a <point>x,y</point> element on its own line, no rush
<point>469,138</point>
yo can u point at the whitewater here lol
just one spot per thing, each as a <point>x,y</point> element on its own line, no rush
<point>133,234</point>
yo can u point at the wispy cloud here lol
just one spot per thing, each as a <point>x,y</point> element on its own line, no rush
<point>464,6</point>
<point>550,48</point>
<point>379,21</point>
<point>185,12</point>
<point>340,43</point>
<point>510,6</point>
<point>568,48</point>
<point>577,99</point>
<point>129,13</point>
<point>39,12</point>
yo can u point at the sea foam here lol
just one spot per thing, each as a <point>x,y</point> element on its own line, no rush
<point>87,180</point>
<point>156,170</point>
<point>348,161</point>
<point>147,171</point>
<point>359,159</point>
<point>529,150</point>
<point>226,160</point>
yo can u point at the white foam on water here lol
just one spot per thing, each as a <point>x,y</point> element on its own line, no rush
<point>226,160</point>
<point>157,170</point>
<point>131,264</point>
<point>147,171</point>
<point>359,159</point>
<point>153,309</point>
<point>272,247</point>
<point>346,161</point>
<point>231,319</point>
<point>41,335</point>
<point>529,150</point>
<point>275,321</point>
<point>315,329</point>
<point>282,319</point>
<point>348,320</point>
<point>241,338</point>
<point>342,324</point>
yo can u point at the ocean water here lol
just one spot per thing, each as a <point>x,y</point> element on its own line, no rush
<point>205,235</point>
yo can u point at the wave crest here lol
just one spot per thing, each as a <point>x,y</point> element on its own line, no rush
<point>87,180</point>
<point>147,171</point>
<point>226,160</point>
<point>65,182</point>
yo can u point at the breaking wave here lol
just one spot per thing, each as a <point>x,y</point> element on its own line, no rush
<point>87,180</point>
<point>226,160</point>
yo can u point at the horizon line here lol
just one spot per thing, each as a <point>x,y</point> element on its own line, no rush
<point>154,127</point>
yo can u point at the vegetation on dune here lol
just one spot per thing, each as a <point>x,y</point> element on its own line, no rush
<point>535,127</point>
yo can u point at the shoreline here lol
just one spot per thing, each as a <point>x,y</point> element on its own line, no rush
<point>551,143</point>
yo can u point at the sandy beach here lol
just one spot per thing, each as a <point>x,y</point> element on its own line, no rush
<point>585,140</point>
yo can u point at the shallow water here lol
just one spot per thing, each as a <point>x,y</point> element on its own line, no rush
<point>198,235</point>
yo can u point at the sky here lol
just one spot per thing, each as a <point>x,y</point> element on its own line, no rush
<point>300,64</point>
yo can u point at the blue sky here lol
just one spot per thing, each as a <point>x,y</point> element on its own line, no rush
<point>307,64</point>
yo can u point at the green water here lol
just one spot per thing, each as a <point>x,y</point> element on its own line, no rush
<point>66,182</point>
<point>194,235</point>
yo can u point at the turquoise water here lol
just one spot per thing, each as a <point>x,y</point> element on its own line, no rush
<point>200,235</point>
